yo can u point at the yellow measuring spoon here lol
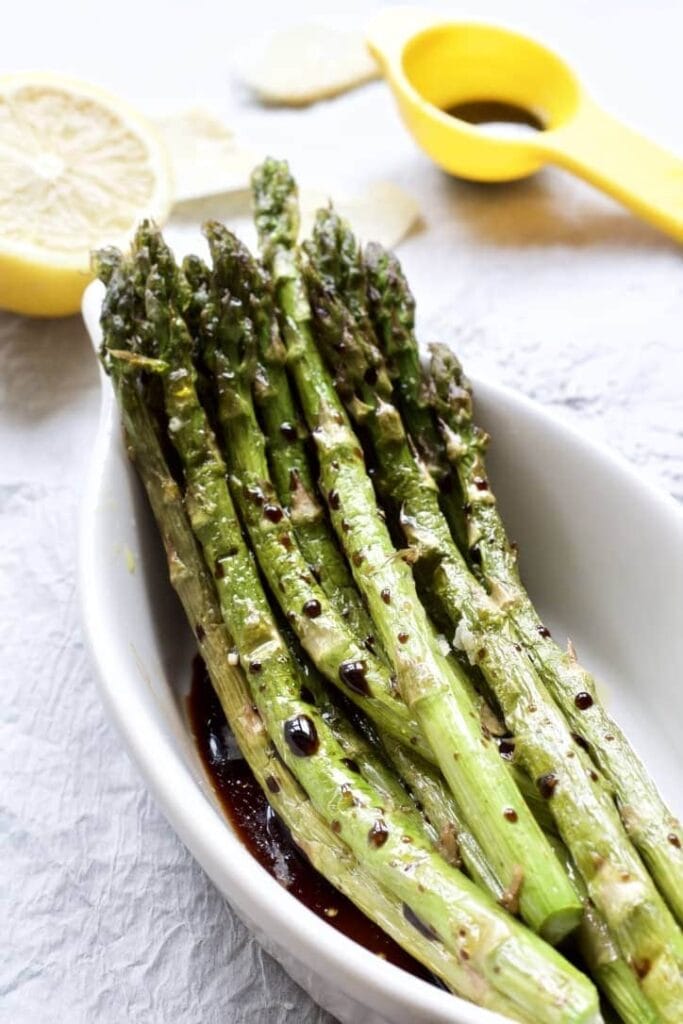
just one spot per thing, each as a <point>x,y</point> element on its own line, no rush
<point>435,66</point>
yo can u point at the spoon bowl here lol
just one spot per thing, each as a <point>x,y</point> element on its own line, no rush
<point>448,67</point>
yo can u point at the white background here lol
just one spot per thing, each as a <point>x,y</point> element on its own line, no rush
<point>543,285</point>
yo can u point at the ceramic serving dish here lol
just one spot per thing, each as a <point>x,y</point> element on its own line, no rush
<point>602,552</point>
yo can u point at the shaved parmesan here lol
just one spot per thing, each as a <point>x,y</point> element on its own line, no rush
<point>383,213</point>
<point>206,158</point>
<point>307,63</point>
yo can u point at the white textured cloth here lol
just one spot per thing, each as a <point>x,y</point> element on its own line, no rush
<point>543,285</point>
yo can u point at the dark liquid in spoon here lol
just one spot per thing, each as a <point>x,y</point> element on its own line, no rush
<point>264,835</point>
<point>495,112</point>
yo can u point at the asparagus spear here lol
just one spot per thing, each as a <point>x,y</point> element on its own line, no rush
<point>433,686</point>
<point>195,588</point>
<point>227,348</point>
<point>608,968</point>
<point>361,749</point>
<point>457,843</point>
<point>500,954</point>
<point>330,642</point>
<point>236,416</point>
<point>615,877</point>
<point>289,459</point>
<point>227,344</point>
<point>651,826</point>
<point>403,365</point>
<point>612,973</point>
<point>606,965</point>
<point>232,367</point>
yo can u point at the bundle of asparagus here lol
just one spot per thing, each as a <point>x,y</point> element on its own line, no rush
<point>288,436</point>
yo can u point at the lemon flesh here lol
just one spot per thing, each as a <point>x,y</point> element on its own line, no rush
<point>78,169</point>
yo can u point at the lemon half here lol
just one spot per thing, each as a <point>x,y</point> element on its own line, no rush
<point>78,169</point>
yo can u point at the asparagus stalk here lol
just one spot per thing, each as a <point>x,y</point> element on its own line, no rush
<point>611,972</point>
<point>232,372</point>
<point>651,826</point>
<point>227,347</point>
<point>653,829</point>
<point>587,820</point>
<point>248,282</point>
<point>457,844</point>
<point>227,344</point>
<point>403,365</point>
<point>606,965</point>
<point>502,958</point>
<point>433,686</point>
<point>195,588</point>
<point>362,750</point>
<point>232,366</point>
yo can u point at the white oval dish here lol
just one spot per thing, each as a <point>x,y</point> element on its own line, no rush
<point>602,553</point>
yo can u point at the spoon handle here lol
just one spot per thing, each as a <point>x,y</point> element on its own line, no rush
<point>635,171</point>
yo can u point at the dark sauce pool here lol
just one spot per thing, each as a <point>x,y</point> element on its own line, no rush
<point>264,835</point>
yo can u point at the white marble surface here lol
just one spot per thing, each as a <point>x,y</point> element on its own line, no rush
<point>543,285</point>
